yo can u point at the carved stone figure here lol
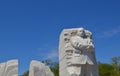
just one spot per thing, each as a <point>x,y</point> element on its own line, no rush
<point>77,53</point>
<point>9,68</point>
<point>39,69</point>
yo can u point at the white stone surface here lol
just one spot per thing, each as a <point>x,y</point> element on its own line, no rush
<point>2,69</point>
<point>9,68</point>
<point>77,53</point>
<point>39,69</point>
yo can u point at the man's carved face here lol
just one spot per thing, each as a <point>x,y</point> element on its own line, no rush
<point>81,32</point>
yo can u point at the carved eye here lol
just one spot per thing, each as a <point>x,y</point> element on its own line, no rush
<point>81,31</point>
<point>66,34</point>
<point>66,39</point>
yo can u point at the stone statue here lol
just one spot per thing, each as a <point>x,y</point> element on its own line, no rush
<point>77,53</point>
<point>9,68</point>
<point>39,69</point>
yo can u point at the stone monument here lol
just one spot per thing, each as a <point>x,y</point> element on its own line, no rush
<point>39,69</point>
<point>9,68</point>
<point>77,53</point>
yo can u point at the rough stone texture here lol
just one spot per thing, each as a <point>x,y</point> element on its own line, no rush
<point>77,53</point>
<point>2,68</point>
<point>9,68</point>
<point>39,69</point>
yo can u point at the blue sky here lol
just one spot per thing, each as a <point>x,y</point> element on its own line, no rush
<point>30,29</point>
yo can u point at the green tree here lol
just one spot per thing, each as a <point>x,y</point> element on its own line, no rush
<point>115,61</point>
<point>26,73</point>
<point>105,69</point>
<point>54,66</point>
<point>115,73</point>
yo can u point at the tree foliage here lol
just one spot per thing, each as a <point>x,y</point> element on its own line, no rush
<point>111,69</point>
<point>54,66</point>
<point>26,73</point>
<point>105,69</point>
<point>115,61</point>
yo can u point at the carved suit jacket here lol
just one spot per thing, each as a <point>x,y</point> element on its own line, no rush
<point>82,52</point>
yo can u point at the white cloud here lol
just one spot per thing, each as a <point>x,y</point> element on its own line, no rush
<point>110,33</point>
<point>52,54</point>
<point>48,53</point>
